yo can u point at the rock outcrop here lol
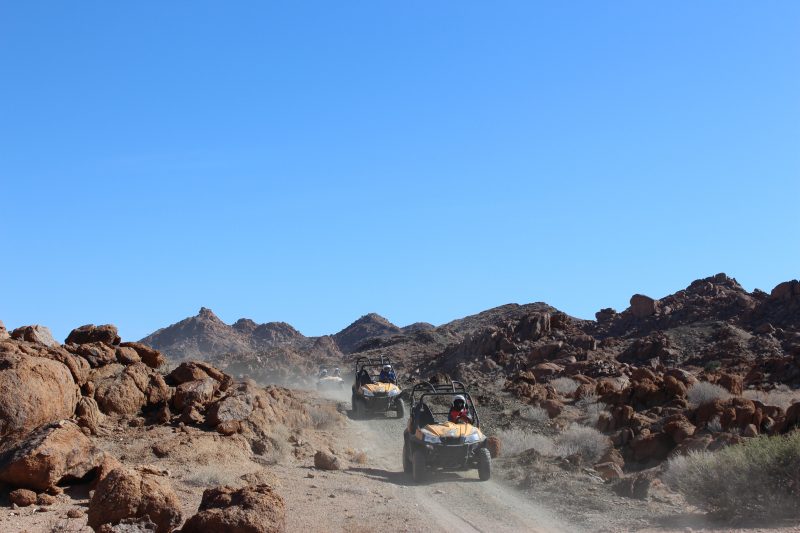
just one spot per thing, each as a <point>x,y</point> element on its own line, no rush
<point>252,509</point>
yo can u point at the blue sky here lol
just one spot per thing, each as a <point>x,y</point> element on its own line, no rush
<point>314,161</point>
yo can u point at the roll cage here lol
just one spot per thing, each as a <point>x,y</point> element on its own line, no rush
<point>421,413</point>
<point>363,376</point>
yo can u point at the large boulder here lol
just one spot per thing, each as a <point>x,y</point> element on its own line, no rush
<point>643,306</point>
<point>97,354</point>
<point>196,370</point>
<point>34,391</point>
<point>107,333</point>
<point>252,509</point>
<point>126,390</point>
<point>198,392</point>
<point>3,332</point>
<point>51,454</point>
<point>35,333</point>
<point>326,461</point>
<point>88,414</point>
<point>127,493</point>
<point>150,357</point>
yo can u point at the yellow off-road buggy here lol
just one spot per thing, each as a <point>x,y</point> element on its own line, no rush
<point>372,396</point>
<point>432,441</point>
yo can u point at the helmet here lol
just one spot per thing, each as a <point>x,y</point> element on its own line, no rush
<point>324,372</point>
<point>387,367</point>
<point>459,400</point>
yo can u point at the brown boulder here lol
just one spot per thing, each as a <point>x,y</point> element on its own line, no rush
<point>679,429</point>
<point>34,391</point>
<point>543,370</point>
<point>733,383</point>
<point>674,388</point>
<point>198,392</point>
<point>126,390</point>
<point>635,485</point>
<point>194,371</point>
<point>229,428</point>
<point>36,333</point>
<point>653,446</point>
<point>326,461</point>
<point>127,355</point>
<point>495,446</point>
<point>553,407</point>
<point>252,509</point>
<point>151,357</point>
<point>22,497</point>
<point>107,333</point>
<point>3,332</point>
<point>97,354</point>
<point>643,306</point>
<point>126,493</point>
<point>48,455</point>
<point>608,471</point>
<point>88,414</point>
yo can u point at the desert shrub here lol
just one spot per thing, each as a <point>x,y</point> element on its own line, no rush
<point>713,366</point>
<point>516,441</point>
<point>324,417</point>
<point>564,386</point>
<point>755,479</point>
<point>714,425</point>
<point>583,440</point>
<point>781,396</point>
<point>705,392</point>
<point>534,413</point>
<point>212,476</point>
<point>590,409</point>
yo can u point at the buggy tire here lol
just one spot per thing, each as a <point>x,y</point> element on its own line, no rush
<point>484,464</point>
<point>407,467</point>
<point>418,472</point>
<point>400,409</point>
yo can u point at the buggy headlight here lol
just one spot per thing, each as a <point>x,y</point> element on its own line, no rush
<point>472,437</point>
<point>394,392</point>
<point>427,436</point>
<point>366,392</point>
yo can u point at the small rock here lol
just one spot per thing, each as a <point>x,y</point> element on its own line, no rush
<point>74,513</point>
<point>45,499</point>
<point>326,461</point>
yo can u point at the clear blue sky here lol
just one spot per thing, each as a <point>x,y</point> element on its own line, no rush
<point>314,161</point>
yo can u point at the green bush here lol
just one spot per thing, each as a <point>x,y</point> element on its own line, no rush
<point>756,479</point>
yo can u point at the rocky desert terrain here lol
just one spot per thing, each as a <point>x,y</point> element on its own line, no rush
<point>205,426</point>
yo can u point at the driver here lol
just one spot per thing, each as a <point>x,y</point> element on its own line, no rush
<point>387,375</point>
<point>323,373</point>
<point>336,372</point>
<point>458,411</point>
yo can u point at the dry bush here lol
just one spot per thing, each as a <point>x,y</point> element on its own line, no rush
<point>714,425</point>
<point>588,442</point>
<point>324,417</point>
<point>705,392</point>
<point>755,479</point>
<point>781,396</point>
<point>212,476</point>
<point>516,441</point>
<point>357,456</point>
<point>564,386</point>
<point>590,409</point>
<point>534,413</point>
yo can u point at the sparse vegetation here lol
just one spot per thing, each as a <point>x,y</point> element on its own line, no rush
<point>781,396</point>
<point>212,475</point>
<point>588,442</point>
<point>705,392</point>
<point>516,441</point>
<point>590,409</point>
<point>564,386</point>
<point>755,479</point>
<point>714,425</point>
<point>534,413</point>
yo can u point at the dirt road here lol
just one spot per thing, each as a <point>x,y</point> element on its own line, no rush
<point>379,496</point>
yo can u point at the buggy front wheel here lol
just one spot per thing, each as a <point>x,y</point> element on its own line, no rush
<point>484,464</point>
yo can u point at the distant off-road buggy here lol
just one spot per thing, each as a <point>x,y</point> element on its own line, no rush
<point>432,441</point>
<point>371,396</point>
<point>329,379</point>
